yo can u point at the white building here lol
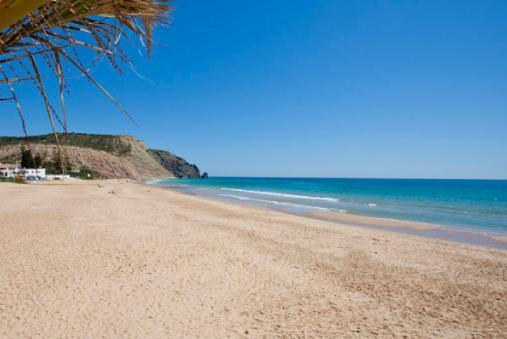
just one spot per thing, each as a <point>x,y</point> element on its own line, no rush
<point>39,173</point>
<point>12,171</point>
<point>8,170</point>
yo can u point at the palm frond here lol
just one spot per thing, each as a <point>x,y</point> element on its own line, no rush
<point>53,33</point>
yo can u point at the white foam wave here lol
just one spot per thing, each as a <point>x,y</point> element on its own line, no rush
<point>274,202</point>
<point>153,181</point>
<point>285,195</point>
<point>160,181</point>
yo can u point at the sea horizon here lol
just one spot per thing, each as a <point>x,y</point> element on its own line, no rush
<point>342,177</point>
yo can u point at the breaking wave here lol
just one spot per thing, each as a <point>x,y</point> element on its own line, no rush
<point>284,195</point>
<point>274,202</point>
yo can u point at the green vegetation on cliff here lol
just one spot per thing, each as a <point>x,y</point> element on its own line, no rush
<point>124,157</point>
<point>113,144</point>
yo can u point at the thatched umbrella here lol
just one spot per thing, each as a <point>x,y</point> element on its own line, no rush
<point>51,33</point>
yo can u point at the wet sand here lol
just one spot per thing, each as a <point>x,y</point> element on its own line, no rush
<point>119,259</point>
<point>454,234</point>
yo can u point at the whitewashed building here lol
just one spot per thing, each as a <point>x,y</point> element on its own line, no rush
<point>39,173</point>
<point>12,171</point>
<point>9,170</point>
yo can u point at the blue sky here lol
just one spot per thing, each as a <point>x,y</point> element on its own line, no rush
<point>313,88</point>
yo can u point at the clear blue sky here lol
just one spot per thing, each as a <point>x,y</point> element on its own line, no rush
<point>314,88</point>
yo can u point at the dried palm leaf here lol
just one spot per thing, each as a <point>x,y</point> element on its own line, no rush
<point>54,32</point>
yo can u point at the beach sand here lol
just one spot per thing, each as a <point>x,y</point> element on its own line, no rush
<point>120,259</point>
<point>349,219</point>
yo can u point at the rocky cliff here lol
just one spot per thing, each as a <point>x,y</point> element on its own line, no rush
<point>174,164</point>
<point>110,155</point>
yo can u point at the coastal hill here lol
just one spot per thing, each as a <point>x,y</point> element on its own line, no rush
<point>112,156</point>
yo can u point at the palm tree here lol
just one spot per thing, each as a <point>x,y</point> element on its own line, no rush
<point>52,34</point>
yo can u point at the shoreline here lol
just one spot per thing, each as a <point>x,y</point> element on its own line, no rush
<point>463,235</point>
<point>442,232</point>
<point>123,259</point>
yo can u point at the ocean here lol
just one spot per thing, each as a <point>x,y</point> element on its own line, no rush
<point>467,204</point>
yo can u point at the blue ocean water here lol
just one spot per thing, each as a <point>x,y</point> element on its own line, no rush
<point>475,204</point>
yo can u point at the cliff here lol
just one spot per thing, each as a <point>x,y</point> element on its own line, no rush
<point>111,156</point>
<point>174,164</point>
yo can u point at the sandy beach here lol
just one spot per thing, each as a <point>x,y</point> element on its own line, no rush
<point>121,259</point>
